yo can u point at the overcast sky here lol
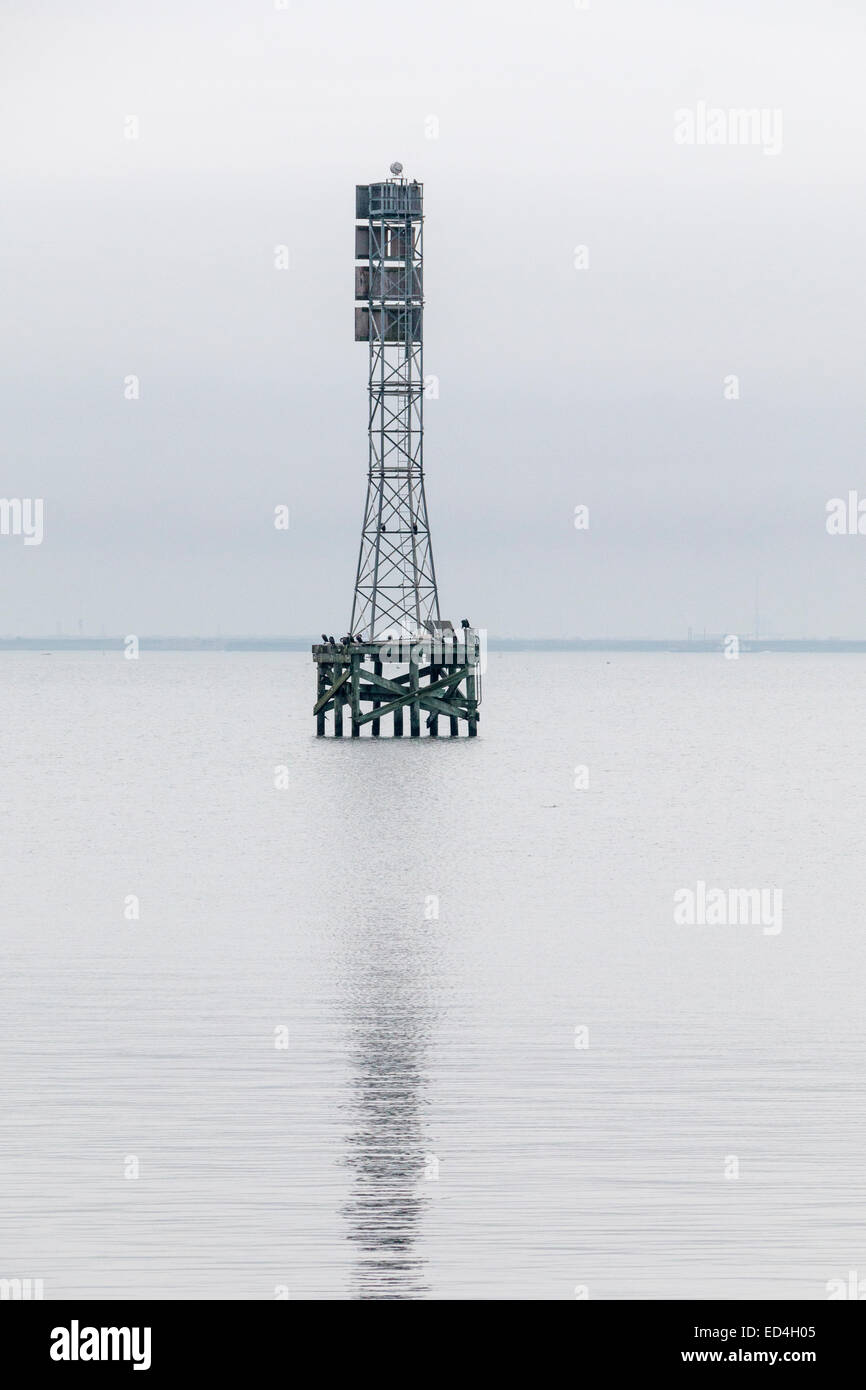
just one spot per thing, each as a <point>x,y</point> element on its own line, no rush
<point>554,128</point>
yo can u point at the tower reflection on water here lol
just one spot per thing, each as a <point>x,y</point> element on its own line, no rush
<point>387,1146</point>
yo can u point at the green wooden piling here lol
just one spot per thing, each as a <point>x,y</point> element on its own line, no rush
<point>414,708</point>
<point>338,704</point>
<point>377,669</point>
<point>356,702</point>
<point>433,720</point>
<point>472,703</point>
<point>321,687</point>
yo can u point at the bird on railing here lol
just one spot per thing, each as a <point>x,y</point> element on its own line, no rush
<point>333,641</point>
<point>325,638</point>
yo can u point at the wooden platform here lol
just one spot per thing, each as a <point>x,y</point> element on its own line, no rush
<point>438,679</point>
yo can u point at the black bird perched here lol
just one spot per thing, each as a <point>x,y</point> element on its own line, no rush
<point>325,637</point>
<point>333,641</point>
<point>464,622</point>
<point>358,638</point>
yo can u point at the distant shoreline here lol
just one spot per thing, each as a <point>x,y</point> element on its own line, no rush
<point>495,644</point>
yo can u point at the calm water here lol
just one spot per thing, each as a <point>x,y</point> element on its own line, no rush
<point>431,922</point>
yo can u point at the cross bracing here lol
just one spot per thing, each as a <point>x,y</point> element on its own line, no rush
<point>395,586</point>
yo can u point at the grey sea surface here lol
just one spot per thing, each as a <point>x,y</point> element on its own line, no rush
<point>420,1022</point>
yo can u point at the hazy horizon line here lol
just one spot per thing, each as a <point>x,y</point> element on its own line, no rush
<point>252,642</point>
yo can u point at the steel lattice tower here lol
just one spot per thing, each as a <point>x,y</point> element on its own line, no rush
<point>395,621</point>
<point>395,587</point>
